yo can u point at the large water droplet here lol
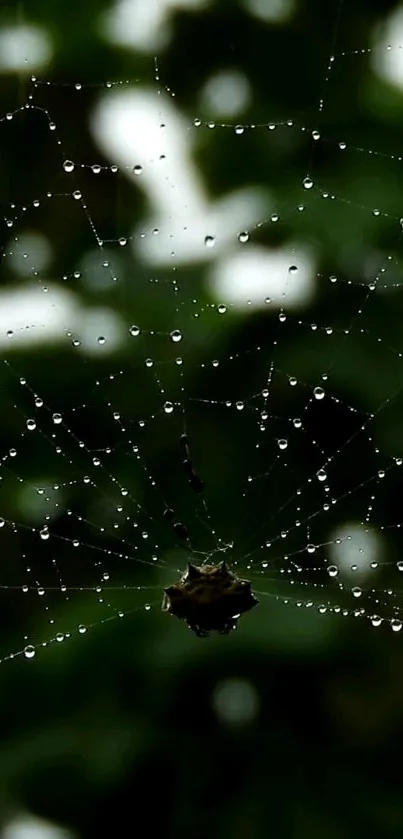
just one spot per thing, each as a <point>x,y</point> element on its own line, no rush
<point>29,651</point>
<point>318,393</point>
<point>176,336</point>
<point>68,165</point>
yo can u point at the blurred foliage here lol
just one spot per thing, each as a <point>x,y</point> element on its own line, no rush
<point>120,726</point>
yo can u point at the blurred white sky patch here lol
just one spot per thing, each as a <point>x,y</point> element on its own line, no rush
<point>29,315</point>
<point>24,47</point>
<point>144,25</point>
<point>355,545</point>
<point>185,226</point>
<point>271,11</point>
<point>256,274</point>
<point>30,827</point>
<point>226,94</point>
<point>387,53</point>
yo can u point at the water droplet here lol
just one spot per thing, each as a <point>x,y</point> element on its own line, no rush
<point>318,393</point>
<point>376,620</point>
<point>29,651</point>
<point>168,407</point>
<point>68,165</point>
<point>311,548</point>
<point>59,637</point>
<point>396,624</point>
<point>101,340</point>
<point>221,308</point>
<point>239,129</point>
<point>209,241</point>
<point>274,217</point>
<point>243,237</point>
<point>356,591</point>
<point>176,336</point>
<point>307,183</point>
<point>137,170</point>
<point>44,533</point>
<point>332,570</point>
<point>282,443</point>
<point>134,330</point>
<point>342,145</point>
<point>82,629</point>
<point>321,475</point>
<point>239,406</point>
<point>57,419</point>
<point>293,269</point>
<point>77,194</point>
<point>31,424</point>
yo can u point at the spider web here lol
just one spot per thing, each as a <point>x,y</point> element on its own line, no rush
<point>179,416</point>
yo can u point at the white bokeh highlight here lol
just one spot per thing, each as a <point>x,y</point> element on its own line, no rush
<point>25,47</point>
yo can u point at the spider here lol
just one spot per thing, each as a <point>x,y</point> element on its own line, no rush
<point>209,598</point>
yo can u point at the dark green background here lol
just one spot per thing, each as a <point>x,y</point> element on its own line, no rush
<point>119,727</point>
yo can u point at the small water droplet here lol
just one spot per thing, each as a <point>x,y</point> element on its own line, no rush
<point>134,330</point>
<point>307,183</point>
<point>221,308</point>
<point>318,393</point>
<point>137,170</point>
<point>57,419</point>
<point>209,241</point>
<point>332,570</point>
<point>31,424</point>
<point>243,237</point>
<point>68,165</point>
<point>282,443</point>
<point>29,651</point>
<point>168,407</point>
